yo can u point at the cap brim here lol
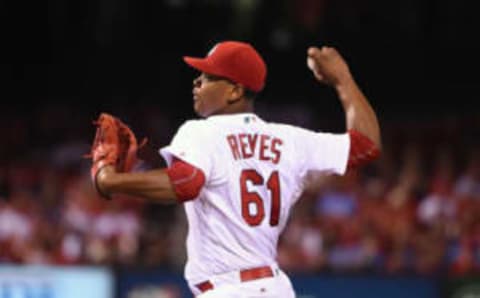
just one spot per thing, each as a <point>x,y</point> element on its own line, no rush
<point>200,64</point>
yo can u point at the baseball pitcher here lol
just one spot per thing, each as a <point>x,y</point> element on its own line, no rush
<point>237,175</point>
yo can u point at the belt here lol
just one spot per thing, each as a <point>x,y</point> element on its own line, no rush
<point>245,275</point>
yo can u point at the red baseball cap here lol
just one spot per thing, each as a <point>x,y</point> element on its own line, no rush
<point>234,60</point>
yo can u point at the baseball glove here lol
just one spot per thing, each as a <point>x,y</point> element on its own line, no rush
<point>114,144</point>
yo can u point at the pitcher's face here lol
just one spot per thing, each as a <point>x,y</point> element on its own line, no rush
<point>211,94</point>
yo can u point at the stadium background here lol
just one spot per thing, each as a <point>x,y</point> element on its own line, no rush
<point>407,225</point>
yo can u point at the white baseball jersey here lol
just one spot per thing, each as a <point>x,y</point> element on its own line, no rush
<point>254,174</point>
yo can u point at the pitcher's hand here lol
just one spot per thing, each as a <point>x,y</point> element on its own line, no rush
<point>328,66</point>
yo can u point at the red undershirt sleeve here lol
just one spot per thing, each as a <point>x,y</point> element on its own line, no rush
<point>186,179</point>
<point>362,150</point>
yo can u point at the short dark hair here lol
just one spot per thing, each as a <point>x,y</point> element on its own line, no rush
<point>249,94</point>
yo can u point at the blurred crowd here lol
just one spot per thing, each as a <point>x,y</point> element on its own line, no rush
<point>416,210</point>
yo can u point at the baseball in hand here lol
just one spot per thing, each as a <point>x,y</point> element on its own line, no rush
<point>314,68</point>
<point>311,63</point>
